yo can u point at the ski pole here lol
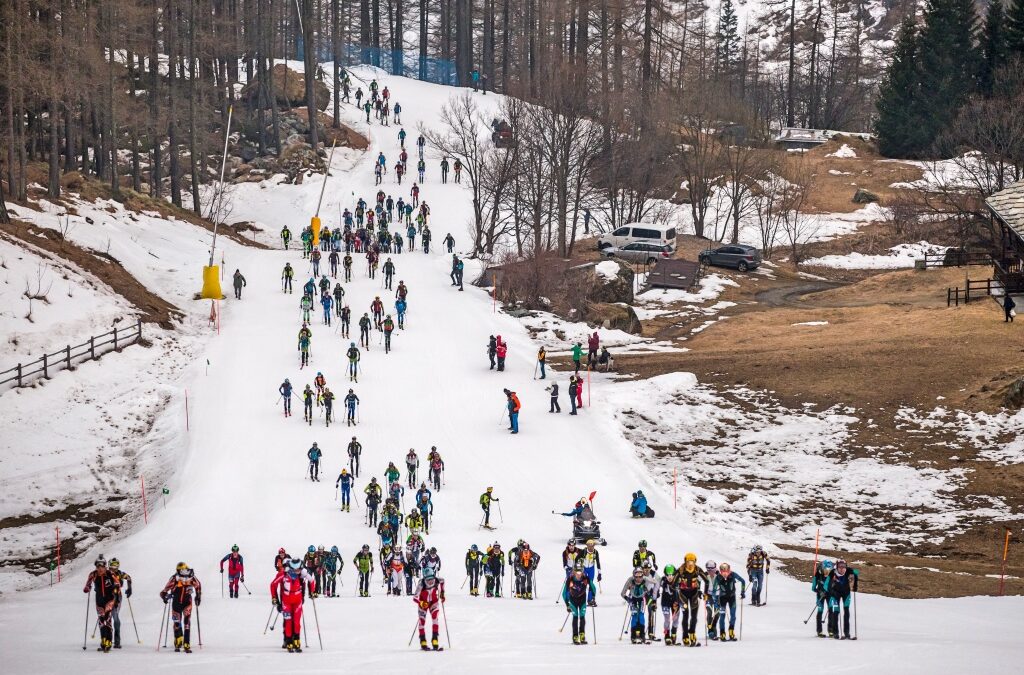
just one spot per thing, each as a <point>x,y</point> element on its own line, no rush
<point>855,615</point>
<point>414,627</point>
<point>85,633</point>
<point>267,625</point>
<point>222,584</point>
<point>624,619</point>
<point>593,617</point>
<point>94,627</point>
<point>246,588</point>
<point>464,582</point>
<point>170,620</point>
<point>817,603</point>
<point>163,618</point>
<point>499,513</point>
<point>274,622</point>
<point>741,618</point>
<point>561,590</point>
<point>316,618</point>
<point>446,634</point>
<point>134,625</point>
<point>199,628</point>
<point>567,613</point>
<point>305,634</point>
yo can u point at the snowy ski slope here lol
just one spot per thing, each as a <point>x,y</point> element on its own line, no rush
<point>244,482</point>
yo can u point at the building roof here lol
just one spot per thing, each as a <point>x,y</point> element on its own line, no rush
<point>1008,206</point>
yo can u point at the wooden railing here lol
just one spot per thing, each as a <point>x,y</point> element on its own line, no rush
<point>957,258</point>
<point>70,356</point>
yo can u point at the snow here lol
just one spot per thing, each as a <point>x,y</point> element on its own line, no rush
<point>900,256</point>
<point>810,323</point>
<point>844,152</point>
<point>710,287</point>
<point>236,479</point>
<point>608,270</point>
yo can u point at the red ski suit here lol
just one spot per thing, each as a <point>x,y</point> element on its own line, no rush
<point>429,599</point>
<point>286,589</point>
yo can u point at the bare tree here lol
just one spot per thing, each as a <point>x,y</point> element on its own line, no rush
<point>797,225</point>
<point>769,208</point>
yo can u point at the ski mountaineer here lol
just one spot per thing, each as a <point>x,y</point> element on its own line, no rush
<point>414,523</point>
<point>436,469</point>
<point>412,465</point>
<point>346,320</point>
<point>667,592</point>
<point>494,569</point>
<point>642,554</point>
<point>652,603</point>
<point>339,297</point>
<point>389,328</point>
<point>819,584</point>
<point>758,565</point>
<point>364,331</point>
<point>431,560</point>
<point>181,590</point>
<point>711,607</point>
<point>449,242</point>
<point>485,503</point>
<point>377,308</point>
<point>400,308</point>
<point>333,565</point>
<point>287,275</point>
<point>238,281</point>
<point>327,303</point>
<point>333,259</point>
<point>355,449</point>
<point>389,273</point>
<point>286,236</point>
<point>578,587</point>
<point>428,597</point>
<point>344,482</point>
<point>591,559</point>
<point>328,399</point>
<point>346,264</point>
<point>236,571</point>
<point>724,587</point>
<point>124,581</point>
<point>351,402</point>
<point>392,474</point>
<point>474,565</point>
<point>314,454</point>
<point>353,362</point>
<point>280,560</point>
<point>305,336</point>
<point>307,404</point>
<point>839,585</point>
<point>525,564</point>
<point>692,582</point>
<point>425,505</point>
<point>513,405</point>
<point>287,595</point>
<point>637,592</point>
<point>306,305</point>
<point>285,390</point>
<point>313,561</point>
<point>364,565</point>
<point>569,557</point>
<point>373,497</point>
<point>107,591</point>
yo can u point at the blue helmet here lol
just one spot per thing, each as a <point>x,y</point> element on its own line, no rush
<point>473,548</point>
<point>827,565</point>
<point>311,549</point>
<point>334,549</point>
<point>294,565</point>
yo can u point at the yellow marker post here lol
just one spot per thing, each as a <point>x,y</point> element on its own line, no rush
<point>314,224</point>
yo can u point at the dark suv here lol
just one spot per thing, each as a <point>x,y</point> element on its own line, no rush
<point>739,256</point>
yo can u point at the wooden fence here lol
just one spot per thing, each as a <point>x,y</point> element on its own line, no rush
<point>71,355</point>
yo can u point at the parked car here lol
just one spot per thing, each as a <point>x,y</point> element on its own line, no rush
<point>739,256</point>
<point>639,232</point>
<point>639,252</point>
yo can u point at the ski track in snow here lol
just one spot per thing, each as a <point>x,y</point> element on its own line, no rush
<point>242,481</point>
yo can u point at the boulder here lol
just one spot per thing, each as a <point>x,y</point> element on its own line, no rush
<point>1013,396</point>
<point>618,316</point>
<point>619,289</point>
<point>862,196</point>
<point>72,180</point>
<point>290,89</point>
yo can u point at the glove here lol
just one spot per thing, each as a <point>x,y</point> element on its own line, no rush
<point>743,595</point>
<point>163,596</point>
<point>128,593</point>
<point>567,607</point>
<point>424,604</point>
<point>243,579</point>
<point>768,571</point>
<point>199,600</point>
<point>222,570</point>
<point>599,576</point>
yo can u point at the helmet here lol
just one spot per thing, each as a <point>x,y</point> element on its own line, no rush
<point>637,570</point>
<point>474,548</point>
<point>826,565</point>
<point>180,567</point>
<point>311,549</point>
<point>344,472</point>
<point>295,564</point>
<point>725,567</point>
<point>591,542</point>
<point>519,543</point>
<point>840,563</point>
<point>366,547</point>
<point>102,562</point>
<point>334,549</point>
<point>642,544</point>
<point>280,551</point>
<point>319,374</point>
<point>570,543</point>
<point>234,549</point>
<point>647,564</point>
<point>490,489</point>
<point>320,548</point>
<point>114,563</point>
<point>351,344</point>
<point>710,565</point>
<point>690,557</point>
<point>428,573</point>
<point>669,570</point>
<point>373,480</point>
<point>526,546</point>
<point>314,444</point>
<point>578,566</point>
<point>286,381</point>
<point>433,550</point>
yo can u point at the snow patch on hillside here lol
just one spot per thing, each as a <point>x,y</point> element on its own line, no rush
<point>900,256</point>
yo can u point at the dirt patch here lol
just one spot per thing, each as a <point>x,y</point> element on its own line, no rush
<point>836,179</point>
<point>152,308</point>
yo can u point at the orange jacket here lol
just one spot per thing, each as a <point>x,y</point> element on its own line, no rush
<point>515,403</point>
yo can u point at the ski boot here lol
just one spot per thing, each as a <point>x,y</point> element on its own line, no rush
<point>694,642</point>
<point>583,638</point>
<point>178,641</point>
<point>575,639</point>
<point>732,635</point>
<point>722,637</point>
<point>187,647</point>
<point>670,639</point>
<point>434,644</point>
<point>423,643</point>
<point>297,646</point>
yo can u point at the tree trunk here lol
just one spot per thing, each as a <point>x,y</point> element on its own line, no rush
<point>790,91</point>
<point>336,51</point>
<point>156,165</point>
<point>195,158</point>
<point>309,60</point>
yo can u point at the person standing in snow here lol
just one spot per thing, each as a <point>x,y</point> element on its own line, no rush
<point>724,587</point>
<point>364,565</point>
<point>542,356</point>
<point>344,484</point>
<point>108,592</point>
<point>758,565</point>
<point>501,351</point>
<point>351,401</point>
<point>182,590</point>
<point>428,597</point>
<point>593,344</point>
<point>444,170</point>
<point>637,592</point>
<point>555,408</point>
<point>577,588</point>
<point>236,571</point>
<point>314,454</point>
<point>239,282</point>
<point>288,595</point>
<point>355,449</point>
<point>574,386</point>
<point>285,390</point>
<point>577,355</point>
<point>492,350</point>
<point>485,504</point>
<point>286,278</point>
<point>513,405</point>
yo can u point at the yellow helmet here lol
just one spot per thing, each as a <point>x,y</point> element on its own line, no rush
<point>690,557</point>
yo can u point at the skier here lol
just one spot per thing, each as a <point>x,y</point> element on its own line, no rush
<point>501,350</point>
<point>421,169</point>
<point>280,560</point>
<point>355,448</point>
<point>639,508</point>
<point>555,408</point>
<point>306,305</point>
<point>513,405</point>
<point>421,144</point>
<point>525,564</point>
<point>346,264</point>
<point>344,482</point>
<point>401,137</point>
<point>840,584</point>
<point>314,259</point>
<point>346,320</point>
<point>642,554</point>
<point>286,236</point>
<point>339,297</point>
<point>285,390</point>
<point>287,595</point>
<point>436,467</point>
<point>425,239</point>
<point>364,565</point>
<point>304,339</point>
<point>373,497</point>
<point>333,565</point>
<point>429,596</point>
<point>449,242</point>
<point>485,503</point>
<point>314,454</point>
<point>667,591</point>
<point>412,464</point>
<point>236,571</point>
<point>307,404</point>
<point>637,593</point>
<point>328,406</point>
<point>287,274</point>
<point>474,564</point>
<point>724,587</point>
<point>458,170</point>
<point>353,362</point>
<point>108,593</point>
<point>692,582</point>
<point>364,330</point>
<point>758,565</point>
<point>397,112</point>
<point>578,587</point>
<point>590,557</point>
<point>444,169</point>
<point>124,581</point>
<point>351,401</point>
<point>239,281</point>
<point>333,259</point>
<point>181,590</point>
<point>425,505</point>
<point>389,327</point>
<point>327,302</point>
<point>819,584</point>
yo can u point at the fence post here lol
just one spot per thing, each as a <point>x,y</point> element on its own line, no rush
<point>67,356</point>
<point>19,375</point>
<point>115,338</point>
<point>138,329</point>
<point>46,374</point>
<point>92,347</point>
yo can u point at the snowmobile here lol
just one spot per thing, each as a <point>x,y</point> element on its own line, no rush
<point>582,530</point>
<point>501,135</point>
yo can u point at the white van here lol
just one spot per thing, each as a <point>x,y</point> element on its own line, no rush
<point>643,232</point>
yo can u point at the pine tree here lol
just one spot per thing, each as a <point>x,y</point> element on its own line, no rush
<point>947,61</point>
<point>727,40</point>
<point>1015,28</point>
<point>992,46</point>
<point>898,125</point>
